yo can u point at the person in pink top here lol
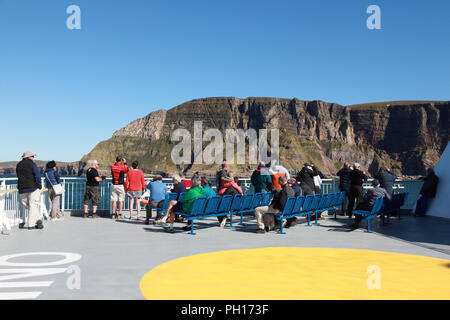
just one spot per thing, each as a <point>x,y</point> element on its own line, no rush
<point>230,182</point>
<point>135,186</point>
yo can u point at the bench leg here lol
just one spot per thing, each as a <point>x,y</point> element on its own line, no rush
<point>231,220</point>
<point>192,227</point>
<point>316,214</point>
<point>335,213</point>
<point>281,227</point>
<point>309,219</point>
<point>242,218</point>
<point>368,225</point>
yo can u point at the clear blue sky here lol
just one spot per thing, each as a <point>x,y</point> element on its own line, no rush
<point>63,91</point>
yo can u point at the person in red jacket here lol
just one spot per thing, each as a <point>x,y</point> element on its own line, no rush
<point>187,182</point>
<point>118,171</point>
<point>135,186</point>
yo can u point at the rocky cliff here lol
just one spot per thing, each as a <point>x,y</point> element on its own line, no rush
<point>406,136</point>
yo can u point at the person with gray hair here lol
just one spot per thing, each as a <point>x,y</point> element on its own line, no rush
<point>92,188</point>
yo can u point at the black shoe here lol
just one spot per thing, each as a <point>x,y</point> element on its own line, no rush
<point>266,228</point>
<point>39,224</point>
<point>353,226</point>
<point>260,231</point>
<point>289,224</point>
<point>21,225</point>
<point>187,228</point>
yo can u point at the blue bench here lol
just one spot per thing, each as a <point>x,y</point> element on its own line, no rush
<point>368,215</point>
<point>204,208</point>
<point>397,201</point>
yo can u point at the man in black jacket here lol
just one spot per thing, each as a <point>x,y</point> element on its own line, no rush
<point>428,192</point>
<point>29,185</point>
<point>356,190</point>
<point>307,175</point>
<point>266,222</point>
<point>345,184</point>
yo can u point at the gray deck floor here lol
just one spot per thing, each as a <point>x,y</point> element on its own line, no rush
<point>117,254</point>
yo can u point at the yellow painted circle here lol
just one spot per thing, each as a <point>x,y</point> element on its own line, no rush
<point>290,273</point>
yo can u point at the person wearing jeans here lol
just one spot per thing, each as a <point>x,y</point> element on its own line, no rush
<point>51,179</point>
<point>29,185</point>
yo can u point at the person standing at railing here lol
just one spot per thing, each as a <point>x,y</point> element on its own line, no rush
<point>307,175</point>
<point>92,188</point>
<point>51,179</point>
<point>29,185</point>
<point>118,171</point>
<point>357,177</point>
<point>345,184</point>
<point>387,179</point>
<point>276,170</point>
<point>135,187</point>
<point>261,179</point>
<point>427,193</point>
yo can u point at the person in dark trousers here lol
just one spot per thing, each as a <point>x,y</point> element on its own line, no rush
<point>307,175</point>
<point>356,190</point>
<point>344,183</point>
<point>428,192</point>
<point>369,200</point>
<point>266,222</point>
<point>297,192</point>
<point>387,179</point>
<point>29,185</point>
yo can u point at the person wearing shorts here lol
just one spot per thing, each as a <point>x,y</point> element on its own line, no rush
<point>118,171</point>
<point>92,188</point>
<point>135,186</point>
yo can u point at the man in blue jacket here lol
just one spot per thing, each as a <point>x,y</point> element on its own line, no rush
<point>29,185</point>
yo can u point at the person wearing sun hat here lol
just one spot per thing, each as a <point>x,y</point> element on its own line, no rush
<point>369,200</point>
<point>29,185</point>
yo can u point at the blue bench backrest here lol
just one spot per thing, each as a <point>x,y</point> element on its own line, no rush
<point>298,204</point>
<point>315,202</point>
<point>237,203</point>
<point>323,201</point>
<point>172,196</point>
<point>266,199</point>
<point>167,199</point>
<point>340,199</point>
<point>199,206</point>
<point>332,198</point>
<point>225,204</point>
<point>257,199</point>
<point>307,203</point>
<point>212,205</point>
<point>377,205</point>
<point>247,201</point>
<point>288,205</point>
<point>181,195</point>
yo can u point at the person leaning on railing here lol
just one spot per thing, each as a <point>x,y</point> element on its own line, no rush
<point>29,185</point>
<point>357,177</point>
<point>51,179</point>
<point>92,188</point>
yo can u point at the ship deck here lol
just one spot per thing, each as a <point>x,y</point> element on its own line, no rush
<point>116,255</point>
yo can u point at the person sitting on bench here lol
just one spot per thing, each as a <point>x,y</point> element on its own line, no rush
<point>277,206</point>
<point>369,200</point>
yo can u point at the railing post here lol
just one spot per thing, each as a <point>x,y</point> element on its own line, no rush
<point>63,196</point>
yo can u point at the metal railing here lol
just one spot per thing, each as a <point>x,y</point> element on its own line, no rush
<point>72,199</point>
